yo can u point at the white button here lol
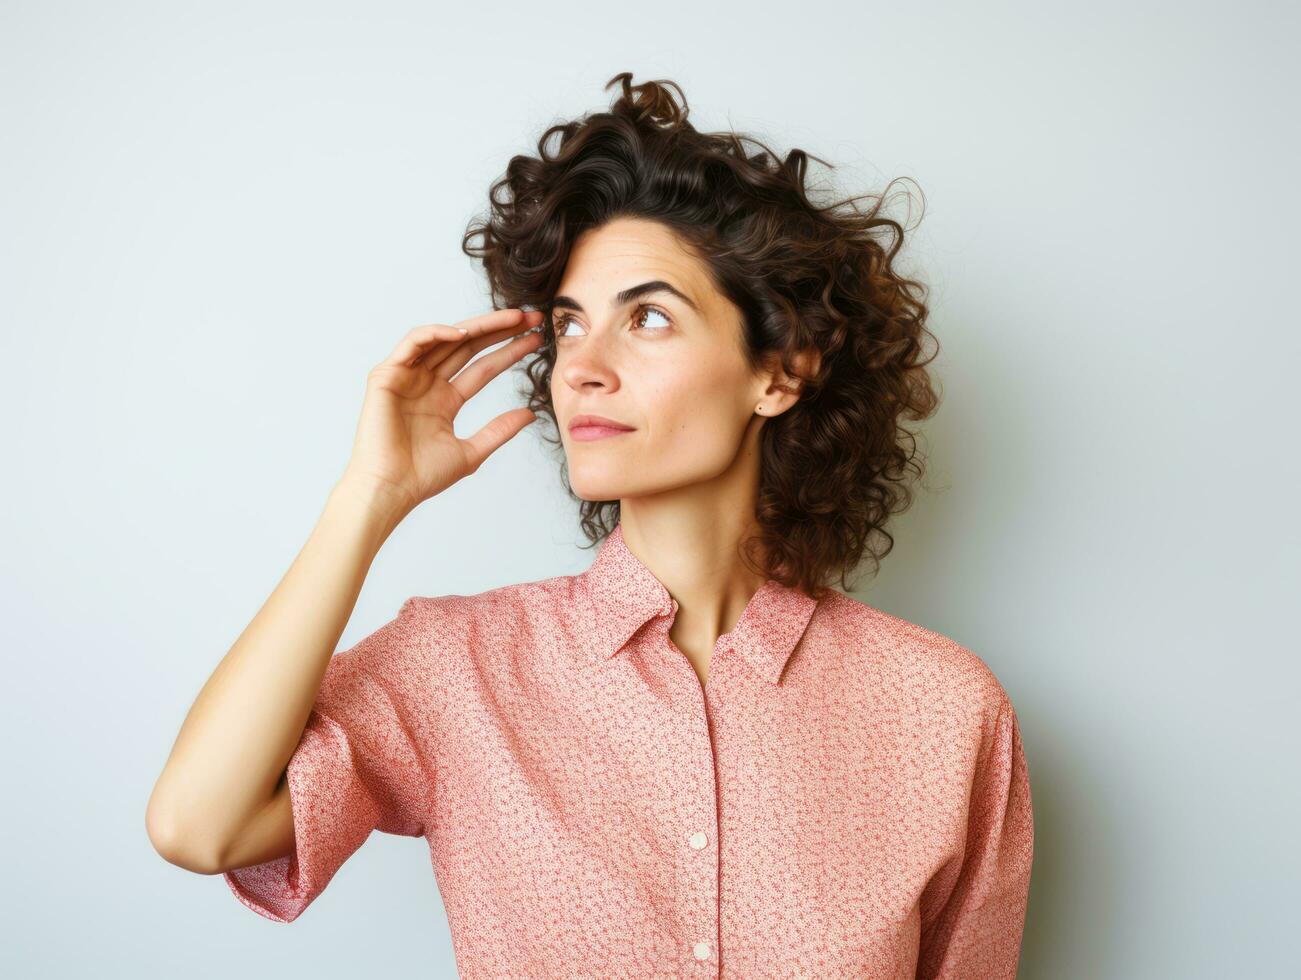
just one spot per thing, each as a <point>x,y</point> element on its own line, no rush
<point>698,839</point>
<point>701,950</point>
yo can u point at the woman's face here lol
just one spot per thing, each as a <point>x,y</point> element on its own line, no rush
<point>670,367</point>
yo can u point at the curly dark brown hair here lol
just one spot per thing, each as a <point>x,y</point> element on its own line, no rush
<point>805,275</point>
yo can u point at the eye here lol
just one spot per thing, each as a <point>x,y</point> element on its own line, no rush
<point>560,322</point>
<point>641,310</point>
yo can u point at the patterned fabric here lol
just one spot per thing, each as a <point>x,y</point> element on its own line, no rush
<point>847,795</point>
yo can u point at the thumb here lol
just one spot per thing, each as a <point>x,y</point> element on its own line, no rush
<point>496,433</point>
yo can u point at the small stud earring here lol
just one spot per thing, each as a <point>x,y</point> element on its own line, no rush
<point>759,409</point>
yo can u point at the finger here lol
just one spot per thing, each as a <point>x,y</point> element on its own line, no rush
<point>414,348</point>
<point>495,434</point>
<point>449,360</point>
<point>452,359</point>
<point>495,320</point>
<point>463,352</point>
<point>473,378</point>
<point>417,342</point>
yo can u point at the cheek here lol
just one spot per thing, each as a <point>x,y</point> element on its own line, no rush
<point>693,409</point>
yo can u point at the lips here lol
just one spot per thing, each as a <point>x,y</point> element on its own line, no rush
<point>597,422</point>
<point>585,428</point>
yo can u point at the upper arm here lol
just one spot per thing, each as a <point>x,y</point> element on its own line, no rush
<point>359,766</point>
<point>269,835</point>
<point>978,930</point>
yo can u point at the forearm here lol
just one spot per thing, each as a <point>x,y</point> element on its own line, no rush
<point>247,720</point>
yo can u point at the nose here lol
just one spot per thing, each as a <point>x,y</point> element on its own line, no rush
<point>589,364</point>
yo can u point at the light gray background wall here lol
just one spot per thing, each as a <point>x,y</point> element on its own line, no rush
<point>217,217</point>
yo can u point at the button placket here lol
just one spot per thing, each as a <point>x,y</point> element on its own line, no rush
<point>698,860</point>
<point>696,806</point>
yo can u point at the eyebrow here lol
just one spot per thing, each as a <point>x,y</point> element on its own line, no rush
<point>630,294</point>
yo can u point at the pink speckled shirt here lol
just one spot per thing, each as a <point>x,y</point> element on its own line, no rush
<point>846,796</point>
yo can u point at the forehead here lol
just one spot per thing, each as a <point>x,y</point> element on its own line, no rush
<point>627,250</point>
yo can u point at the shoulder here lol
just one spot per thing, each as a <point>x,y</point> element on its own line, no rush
<point>498,618</point>
<point>503,605</point>
<point>910,659</point>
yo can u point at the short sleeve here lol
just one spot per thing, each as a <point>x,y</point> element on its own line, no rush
<point>977,933</point>
<point>359,766</point>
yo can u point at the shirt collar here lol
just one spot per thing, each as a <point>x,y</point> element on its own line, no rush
<point>625,595</point>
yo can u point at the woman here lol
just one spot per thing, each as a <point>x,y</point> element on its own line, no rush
<point>695,757</point>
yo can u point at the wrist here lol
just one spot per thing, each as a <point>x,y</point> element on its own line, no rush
<point>381,504</point>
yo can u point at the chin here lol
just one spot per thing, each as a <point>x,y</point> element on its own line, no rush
<point>600,489</point>
<point>604,479</point>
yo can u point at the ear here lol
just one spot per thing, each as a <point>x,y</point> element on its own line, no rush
<point>807,363</point>
<point>783,390</point>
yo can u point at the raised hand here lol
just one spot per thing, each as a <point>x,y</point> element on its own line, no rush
<point>405,447</point>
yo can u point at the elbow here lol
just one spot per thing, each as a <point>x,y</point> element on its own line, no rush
<point>177,843</point>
